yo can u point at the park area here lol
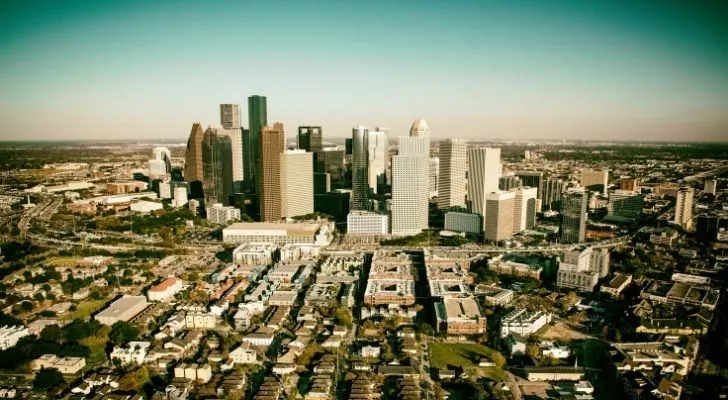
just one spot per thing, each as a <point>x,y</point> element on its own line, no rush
<point>468,357</point>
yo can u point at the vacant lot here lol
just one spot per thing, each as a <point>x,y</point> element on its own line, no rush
<point>564,332</point>
<point>467,356</point>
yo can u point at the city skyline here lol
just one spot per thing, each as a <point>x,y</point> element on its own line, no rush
<point>622,70</point>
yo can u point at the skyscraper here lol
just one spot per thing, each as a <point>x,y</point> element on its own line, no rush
<point>551,193</point>
<point>230,116</point>
<point>359,168</point>
<point>420,129</point>
<point>531,179</point>
<point>272,144</point>
<point>452,185</point>
<point>434,175</point>
<point>411,185</point>
<point>595,179</point>
<point>193,155</point>
<point>257,119</point>
<point>296,183</point>
<point>709,186</point>
<point>163,154</point>
<point>216,166</point>
<point>378,144</point>
<point>310,138</point>
<point>573,217</point>
<point>509,182</point>
<point>625,204</point>
<point>684,207</point>
<point>484,171</point>
<point>525,209</point>
<point>500,209</point>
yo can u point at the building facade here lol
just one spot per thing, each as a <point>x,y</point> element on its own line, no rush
<point>525,208</point>
<point>484,171</point>
<point>193,154</point>
<point>296,183</point>
<point>272,144</point>
<point>684,207</point>
<point>367,223</point>
<point>360,169</point>
<point>573,217</point>
<point>500,210</point>
<point>411,184</point>
<point>452,182</point>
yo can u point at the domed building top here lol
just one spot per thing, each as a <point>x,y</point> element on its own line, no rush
<point>420,128</point>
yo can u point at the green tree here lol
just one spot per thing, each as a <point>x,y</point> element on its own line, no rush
<point>47,378</point>
<point>26,306</point>
<point>343,317</point>
<point>51,333</point>
<point>123,332</point>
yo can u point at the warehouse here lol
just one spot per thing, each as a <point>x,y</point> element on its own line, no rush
<point>122,309</point>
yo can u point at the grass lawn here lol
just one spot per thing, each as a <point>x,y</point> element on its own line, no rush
<point>83,310</point>
<point>62,261</point>
<point>96,344</point>
<point>467,356</point>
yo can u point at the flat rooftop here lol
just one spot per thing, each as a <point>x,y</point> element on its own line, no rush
<point>255,228</point>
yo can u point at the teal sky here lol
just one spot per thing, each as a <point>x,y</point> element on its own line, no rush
<point>646,70</point>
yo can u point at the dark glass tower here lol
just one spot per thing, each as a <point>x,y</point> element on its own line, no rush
<point>257,119</point>
<point>551,191</point>
<point>217,167</point>
<point>310,138</point>
<point>359,168</point>
<point>573,217</point>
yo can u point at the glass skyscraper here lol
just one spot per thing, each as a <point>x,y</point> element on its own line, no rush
<point>359,168</point>
<point>257,119</point>
<point>573,217</point>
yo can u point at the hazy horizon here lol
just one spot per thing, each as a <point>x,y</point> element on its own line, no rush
<point>479,70</point>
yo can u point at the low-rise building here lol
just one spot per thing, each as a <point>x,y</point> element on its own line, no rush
<point>617,284</point>
<point>132,353</point>
<point>367,223</point>
<point>254,254</point>
<point>459,316</point>
<point>523,323</point>
<point>244,354</point>
<point>123,309</point>
<point>219,214</point>
<point>507,267</point>
<point>64,365</point>
<point>165,289</point>
<point>9,335</point>
<point>494,295</point>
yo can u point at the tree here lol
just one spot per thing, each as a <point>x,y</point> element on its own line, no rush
<point>51,333</point>
<point>343,317</point>
<point>425,329</point>
<point>47,378</point>
<point>123,332</point>
<point>26,306</point>
<point>38,297</point>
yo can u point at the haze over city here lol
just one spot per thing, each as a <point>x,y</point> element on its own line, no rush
<point>618,70</point>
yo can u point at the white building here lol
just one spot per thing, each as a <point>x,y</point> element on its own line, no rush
<point>575,271</point>
<point>523,323</point>
<point>500,210</point>
<point>64,365</point>
<point>132,353</point>
<point>254,254</point>
<point>277,233</point>
<point>378,143</point>
<point>165,190</point>
<point>9,335</point>
<point>157,169</point>
<point>244,354</point>
<point>684,207</point>
<point>370,351</point>
<point>452,182</point>
<point>411,184</point>
<point>551,349</point>
<point>709,186</point>
<point>595,178</point>
<point>219,214</point>
<point>165,289</point>
<point>525,208</point>
<point>366,223</point>
<point>143,206</point>
<point>296,183</point>
<point>484,171</point>
<point>123,309</point>
<point>180,196</point>
<point>259,339</point>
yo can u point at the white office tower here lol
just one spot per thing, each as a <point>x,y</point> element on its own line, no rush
<point>366,223</point>
<point>434,175</point>
<point>296,183</point>
<point>378,157</point>
<point>180,196</point>
<point>452,183</point>
<point>157,169</point>
<point>525,212</point>
<point>219,214</point>
<point>165,190</point>
<point>230,116</point>
<point>236,144</point>
<point>411,186</point>
<point>684,207</point>
<point>595,178</point>
<point>163,154</point>
<point>500,210</point>
<point>420,129</point>
<point>709,186</point>
<point>484,171</point>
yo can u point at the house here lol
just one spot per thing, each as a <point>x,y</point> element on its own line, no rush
<point>446,374</point>
<point>65,365</point>
<point>133,353</point>
<point>551,349</point>
<point>165,290</point>
<point>244,354</point>
<point>284,369</point>
<point>370,351</point>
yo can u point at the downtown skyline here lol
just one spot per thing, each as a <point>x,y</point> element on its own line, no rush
<point>474,70</point>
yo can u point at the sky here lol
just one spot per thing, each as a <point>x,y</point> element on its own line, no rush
<point>552,69</point>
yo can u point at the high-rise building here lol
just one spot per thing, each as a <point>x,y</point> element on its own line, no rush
<point>180,196</point>
<point>709,186</point>
<point>499,210</point>
<point>628,184</point>
<point>272,144</point>
<point>411,183</point>
<point>230,116</point>
<point>684,207</point>
<point>236,144</point>
<point>360,169</point>
<point>334,203</point>
<point>378,144</point>
<point>484,171</point>
<point>625,204</point>
<point>434,175</point>
<point>525,209</point>
<point>573,217</point>
<point>257,119</point>
<point>219,214</point>
<point>552,191</point>
<point>310,138</point>
<point>531,179</point>
<point>157,169</point>
<point>296,183</point>
<point>420,129</point>
<point>509,182</point>
<point>598,179</point>
<point>216,166</point>
<point>452,185</point>
<point>330,160</point>
<point>193,154</point>
<point>456,221</point>
<point>163,154</point>
<point>321,182</point>
<point>707,227</point>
